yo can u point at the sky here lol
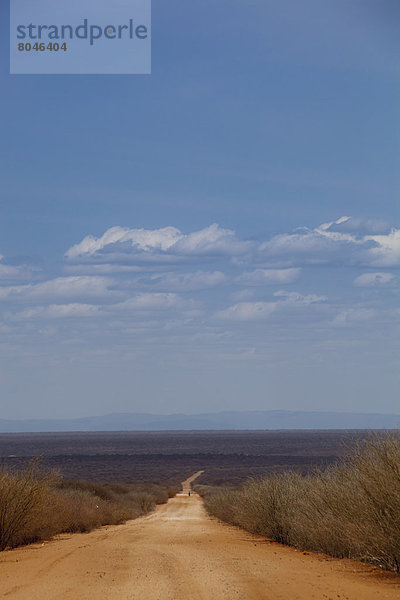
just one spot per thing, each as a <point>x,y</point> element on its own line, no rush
<point>222,234</point>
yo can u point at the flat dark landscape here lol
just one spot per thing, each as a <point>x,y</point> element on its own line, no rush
<point>169,457</point>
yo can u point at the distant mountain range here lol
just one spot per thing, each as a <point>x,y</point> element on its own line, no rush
<point>226,420</point>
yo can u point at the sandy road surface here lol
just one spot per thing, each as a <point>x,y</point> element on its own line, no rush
<point>178,553</point>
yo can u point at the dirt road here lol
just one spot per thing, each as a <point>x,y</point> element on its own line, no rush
<point>178,553</point>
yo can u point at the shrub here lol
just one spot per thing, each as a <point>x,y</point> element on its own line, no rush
<point>266,506</point>
<point>350,510</point>
<point>145,502</point>
<point>35,505</point>
<point>222,504</point>
<point>22,497</point>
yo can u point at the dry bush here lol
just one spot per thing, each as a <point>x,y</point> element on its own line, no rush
<point>78,510</point>
<point>23,495</point>
<point>205,490</point>
<point>105,492</point>
<point>158,492</point>
<point>350,510</point>
<point>372,469</point>
<point>266,506</point>
<point>118,488</point>
<point>353,510</point>
<point>318,521</point>
<point>144,501</point>
<point>220,502</point>
<point>172,491</point>
<point>35,505</point>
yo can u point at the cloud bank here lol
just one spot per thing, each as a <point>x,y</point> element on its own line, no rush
<point>118,243</point>
<point>346,241</point>
<point>336,242</point>
<point>205,281</point>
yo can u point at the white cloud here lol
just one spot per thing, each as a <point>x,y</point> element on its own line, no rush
<point>59,311</point>
<point>101,269</point>
<point>386,251</point>
<point>268,276</point>
<point>346,241</point>
<point>133,239</point>
<point>353,315</point>
<point>296,298</point>
<point>374,279</point>
<point>157,301</point>
<point>334,243</point>
<point>188,281</point>
<point>10,273</point>
<point>244,294</point>
<point>357,225</point>
<point>211,240</point>
<point>248,311</point>
<point>316,243</point>
<point>167,289</point>
<point>118,243</point>
<point>59,288</point>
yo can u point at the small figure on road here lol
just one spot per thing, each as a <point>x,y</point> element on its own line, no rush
<point>189,493</point>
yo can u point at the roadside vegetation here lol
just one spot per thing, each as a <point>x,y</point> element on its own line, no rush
<point>35,505</point>
<point>349,510</point>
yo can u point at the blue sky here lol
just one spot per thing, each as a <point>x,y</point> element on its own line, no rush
<point>220,234</point>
